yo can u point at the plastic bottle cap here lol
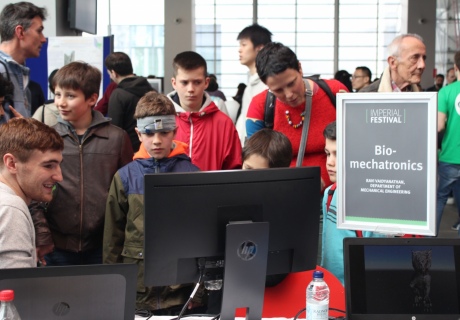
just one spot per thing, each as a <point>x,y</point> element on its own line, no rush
<point>6,295</point>
<point>318,274</point>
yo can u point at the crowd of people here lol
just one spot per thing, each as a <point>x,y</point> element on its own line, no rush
<point>71,176</point>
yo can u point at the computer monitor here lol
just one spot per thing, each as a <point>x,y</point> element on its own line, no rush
<point>186,217</point>
<point>102,292</point>
<point>402,278</point>
<point>156,83</point>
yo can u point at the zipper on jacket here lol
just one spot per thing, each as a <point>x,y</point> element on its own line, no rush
<point>81,194</point>
<point>190,145</point>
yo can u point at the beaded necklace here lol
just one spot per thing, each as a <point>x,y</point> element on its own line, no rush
<point>295,126</point>
<point>302,115</point>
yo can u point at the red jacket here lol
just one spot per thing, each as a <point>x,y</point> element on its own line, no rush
<point>212,139</point>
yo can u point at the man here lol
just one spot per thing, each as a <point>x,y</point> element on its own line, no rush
<point>252,39</point>
<point>124,98</point>
<point>438,83</point>
<point>31,155</point>
<point>361,78</point>
<point>449,156</point>
<point>451,76</point>
<point>21,31</point>
<point>406,63</point>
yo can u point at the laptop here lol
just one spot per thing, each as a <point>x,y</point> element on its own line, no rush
<point>402,278</point>
<point>73,292</point>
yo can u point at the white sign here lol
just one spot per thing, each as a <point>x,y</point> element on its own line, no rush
<point>63,50</point>
<point>386,162</point>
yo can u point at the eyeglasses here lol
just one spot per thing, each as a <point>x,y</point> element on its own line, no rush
<point>355,77</point>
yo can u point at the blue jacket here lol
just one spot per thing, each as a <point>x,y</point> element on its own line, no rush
<point>124,223</point>
<point>332,238</point>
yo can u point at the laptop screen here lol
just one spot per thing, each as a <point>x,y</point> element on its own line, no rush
<point>402,278</point>
<point>73,292</point>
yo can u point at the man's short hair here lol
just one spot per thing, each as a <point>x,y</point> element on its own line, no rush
<point>79,75</point>
<point>271,145</point>
<point>275,58</point>
<point>189,60</point>
<point>330,132</point>
<point>18,14</point>
<point>257,34</point>
<point>366,71</point>
<point>154,104</point>
<point>120,63</point>
<point>394,48</point>
<point>21,136</point>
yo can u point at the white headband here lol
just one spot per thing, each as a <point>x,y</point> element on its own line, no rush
<point>156,124</point>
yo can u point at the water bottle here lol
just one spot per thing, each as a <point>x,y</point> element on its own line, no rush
<point>317,298</point>
<point>7,309</point>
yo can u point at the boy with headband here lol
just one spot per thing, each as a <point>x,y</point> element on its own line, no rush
<point>124,219</point>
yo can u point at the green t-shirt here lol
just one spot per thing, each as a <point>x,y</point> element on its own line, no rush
<point>449,104</point>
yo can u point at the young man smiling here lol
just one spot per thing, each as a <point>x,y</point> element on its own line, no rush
<point>31,155</point>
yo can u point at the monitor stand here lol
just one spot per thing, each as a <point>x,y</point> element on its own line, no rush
<point>246,251</point>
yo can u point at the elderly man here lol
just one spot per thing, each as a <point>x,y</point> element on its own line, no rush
<point>21,31</point>
<point>406,63</point>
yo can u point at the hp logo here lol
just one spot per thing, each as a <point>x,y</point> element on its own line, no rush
<point>61,309</point>
<point>247,250</point>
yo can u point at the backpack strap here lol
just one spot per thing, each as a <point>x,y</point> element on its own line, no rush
<point>8,97</point>
<point>323,85</point>
<point>269,114</point>
<point>330,194</point>
<point>6,70</point>
<point>270,100</point>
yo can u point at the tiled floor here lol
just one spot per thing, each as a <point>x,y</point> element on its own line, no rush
<point>449,217</point>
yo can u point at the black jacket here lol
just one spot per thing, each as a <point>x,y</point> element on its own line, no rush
<point>122,104</point>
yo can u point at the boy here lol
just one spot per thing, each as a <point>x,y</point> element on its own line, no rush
<point>267,149</point>
<point>212,139</point>
<point>124,227</point>
<point>94,150</point>
<point>252,39</point>
<point>31,153</point>
<point>332,238</point>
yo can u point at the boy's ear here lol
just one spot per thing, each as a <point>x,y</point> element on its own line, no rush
<point>259,47</point>
<point>173,82</point>
<point>92,100</point>
<point>139,135</point>
<point>206,82</point>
